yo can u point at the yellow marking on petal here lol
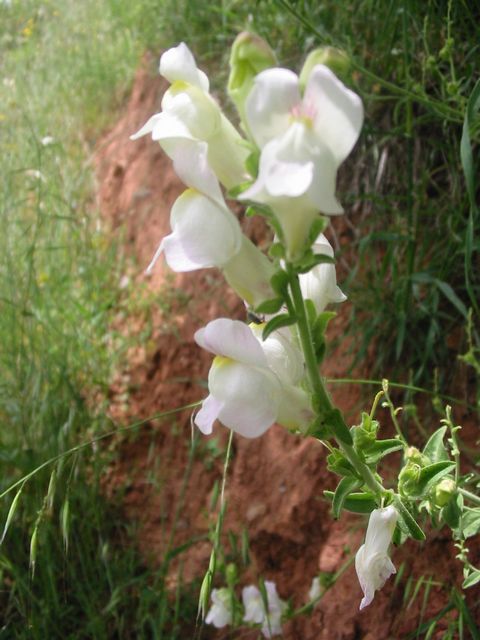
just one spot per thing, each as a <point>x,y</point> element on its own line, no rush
<point>221,361</point>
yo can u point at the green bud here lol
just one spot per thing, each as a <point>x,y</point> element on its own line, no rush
<point>408,478</point>
<point>444,490</point>
<point>414,456</point>
<point>250,54</point>
<point>335,59</point>
<point>231,574</point>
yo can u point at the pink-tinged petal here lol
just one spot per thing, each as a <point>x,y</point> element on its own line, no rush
<point>211,408</point>
<point>148,127</point>
<point>204,234</point>
<point>178,63</point>
<point>274,94</point>
<point>232,339</point>
<point>338,111</point>
<point>250,396</point>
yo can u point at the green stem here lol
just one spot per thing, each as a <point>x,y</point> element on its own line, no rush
<point>470,496</point>
<point>317,386</point>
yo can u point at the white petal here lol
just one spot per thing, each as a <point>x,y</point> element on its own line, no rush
<point>284,357</point>
<point>148,127</point>
<point>232,339</point>
<point>249,272</point>
<point>339,111</point>
<point>204,235</point>
<point>207,415</point>
<point>194,109</point>
<point>250,396</point>
<point>295,409</point>
<point>191,165</point>
<point>253,605</point>
<point>372,564</point>
<point>178,63</point>
<point>273,96</point>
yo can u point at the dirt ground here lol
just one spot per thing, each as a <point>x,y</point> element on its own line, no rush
<point>275,483</point>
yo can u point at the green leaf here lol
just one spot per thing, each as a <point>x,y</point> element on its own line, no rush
<point>470,522</point>
<point>335,421</point>
<point>277,250</point>
<point>270,306</point>
<point>356,502</point>
<point>311,260</point>
<point>279,282</point>
<point>431,474</point>
<point>452,297</point>
<point>472,579</point>
<point>321,323</point>
<point>319,225</point>
<point>452,512</point>
<point>380,448</point>
<point>11,513</point>
<point>408,520</point>
<point>345,486</point>
<point>282,320</point>
<point>435,449</point>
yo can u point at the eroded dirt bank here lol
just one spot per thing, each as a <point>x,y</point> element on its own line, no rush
<point>276,483</point>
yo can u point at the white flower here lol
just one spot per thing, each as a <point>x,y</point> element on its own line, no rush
<point>303,141</point>
<point>250,387</point>
<point>372,563</point>
<point>320,284</point>
<point>220,613</point>
<point>315,590</point>
<point>256,613</point>
<point>205,233</point>
<point>190,113</point>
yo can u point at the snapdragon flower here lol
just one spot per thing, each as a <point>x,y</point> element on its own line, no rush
<point>220,613</point>
<point>190,113</point>
<point>303,141</point>
<point>255,611</point>
<point>320,284</point>
<point>372,563</point>
<point>205,233</point>
<point>252,383</point>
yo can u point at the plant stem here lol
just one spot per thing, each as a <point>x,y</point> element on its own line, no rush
<point>470,496</point>
<point>317,386</point>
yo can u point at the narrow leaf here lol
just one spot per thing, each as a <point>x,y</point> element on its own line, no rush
<point>335,421</point>
<point>431,474</point>
<point>282,320</point>
<point>435,449</point>
<point>269,306</point>
<point>381,448</point>
<point>356,502</point>
<point>11,513</point>
<point>452,297</point>
<point>345,486</point>
<point>408,520</point>
<point>472,579</point>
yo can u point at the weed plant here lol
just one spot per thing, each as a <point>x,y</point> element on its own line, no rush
<point>68,568</point>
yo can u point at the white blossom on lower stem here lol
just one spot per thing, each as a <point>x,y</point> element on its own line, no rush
<point>247,394</point>
<point>220,613</point>
<point>303,141</point>
<point>372,562</point>
<point>190,113</point>
<point>255,612</point>
<point>320,284</point>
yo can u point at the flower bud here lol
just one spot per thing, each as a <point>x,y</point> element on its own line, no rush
<point>335,59</point>
<point>250,54</point>
<point>444,490</point>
